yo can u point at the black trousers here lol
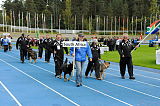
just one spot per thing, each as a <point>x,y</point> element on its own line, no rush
<point>10,46</point>
<point>91,64</point>
<point>23,53</point>
<point>126,61</point>
<point>47,55</point>
<point>58,63</point>
<point>5,48</point>
<point>40,49</point>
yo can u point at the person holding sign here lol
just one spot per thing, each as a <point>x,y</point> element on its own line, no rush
<point>80,58</point>
<point>58,50</point>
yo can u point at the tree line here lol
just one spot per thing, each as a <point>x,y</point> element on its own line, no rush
<point>82,14</point>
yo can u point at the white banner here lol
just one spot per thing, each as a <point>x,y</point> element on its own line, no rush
<point>74,44</point>
<point>158,56</point>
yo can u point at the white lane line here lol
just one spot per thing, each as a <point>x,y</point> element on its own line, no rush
<point>41,83</point>
<point>19,104</point>
<point>133,80</point>
<point>83,85</point>
<point>132,89</point>
<point>137,81</point>
<point>142,75</point>
<point>142,70</point>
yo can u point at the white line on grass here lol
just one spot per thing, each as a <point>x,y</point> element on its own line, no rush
<point>19,104</point>
<point>41,83</point>
<point>83,85</point>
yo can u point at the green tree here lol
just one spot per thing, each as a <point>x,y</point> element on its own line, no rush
<point>67,14</point>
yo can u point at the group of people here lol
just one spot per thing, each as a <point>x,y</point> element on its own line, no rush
<point>5,43</point>
<point>92,50</point>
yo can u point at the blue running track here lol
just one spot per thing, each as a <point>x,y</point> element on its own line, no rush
<point>35,85</point>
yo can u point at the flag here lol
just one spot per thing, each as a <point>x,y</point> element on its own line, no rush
<point>127,25</point>
<point>104,25</point>
<point>115,20</point>
<point>14,21</point>
<point>123,25</point>
<point>132,24</point>
<point>19,16</point>
<point>22,22</point>
<point>119,21</point>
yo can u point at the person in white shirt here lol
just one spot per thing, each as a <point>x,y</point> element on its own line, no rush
<point>10,42</point>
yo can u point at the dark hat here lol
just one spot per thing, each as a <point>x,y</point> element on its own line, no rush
<point>80,35</point>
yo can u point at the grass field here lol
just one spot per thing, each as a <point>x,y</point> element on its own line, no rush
<point>144,56</point>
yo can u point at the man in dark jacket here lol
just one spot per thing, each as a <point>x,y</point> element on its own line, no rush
<point>47,45</point>
<point>124,50</point>
<point>58,54</point>
<point>95,61</point>
<point>40,47</point>
<point>22,44</point>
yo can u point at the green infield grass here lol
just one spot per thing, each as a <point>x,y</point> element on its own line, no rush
<point>144,56</point>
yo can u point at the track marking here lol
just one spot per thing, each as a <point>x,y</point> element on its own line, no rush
<point>19,104</point>
<point>138,81</point>
<point>41,83</point>
<point>71,80</point>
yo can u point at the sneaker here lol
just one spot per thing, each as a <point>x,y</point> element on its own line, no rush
<point>98,78</point>
<point>131,77</point>
<point>122,77</point>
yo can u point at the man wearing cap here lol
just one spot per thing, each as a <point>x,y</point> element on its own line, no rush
<point>22,44</point>
<point>80,58</point>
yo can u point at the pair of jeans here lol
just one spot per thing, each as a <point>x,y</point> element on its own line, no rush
<point>79,68</point>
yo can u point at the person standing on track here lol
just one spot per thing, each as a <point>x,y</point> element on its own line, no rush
<point>58,50</point>
<point>80,58</point>
<point>47,45</point>
<point>5,43</point>
<point>124,49</point>
<point>22,44</point>
<point>95,61</point>
<point>40,47</point>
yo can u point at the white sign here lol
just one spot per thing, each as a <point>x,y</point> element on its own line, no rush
<point>6,34</point>
<point>74,44</point>
<point>157,56</point>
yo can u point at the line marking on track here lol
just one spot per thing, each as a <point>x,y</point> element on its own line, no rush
<point>41,83</point>
<point>19,104</point>
<point>72,81</point>
<point>142,75</point>
<point>142,70</point>
<point>137,81</point>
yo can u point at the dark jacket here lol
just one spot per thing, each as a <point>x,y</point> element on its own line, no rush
<point>59,49</point>
<point>48,43</point>
<point>125,48</point>
<point>22,42</point>
<point>95,51</point>
<point>40,43</point>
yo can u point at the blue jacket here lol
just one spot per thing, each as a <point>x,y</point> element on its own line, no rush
<point>5,42</point>
<point>81,53</point>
